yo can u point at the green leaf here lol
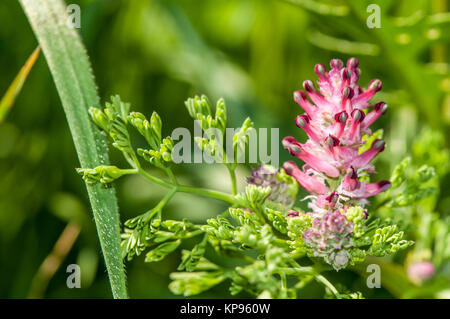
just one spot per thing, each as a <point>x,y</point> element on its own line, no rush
<point>161,251</point>
<point>14,89</point>
<point>74,81</point>
<point>193,283</point>
<point>191,260</point>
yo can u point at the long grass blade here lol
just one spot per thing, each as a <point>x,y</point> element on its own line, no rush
<point>71,71</point>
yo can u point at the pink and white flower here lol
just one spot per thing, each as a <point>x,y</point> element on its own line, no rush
<point>335,122</point>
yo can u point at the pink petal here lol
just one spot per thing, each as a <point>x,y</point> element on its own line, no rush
<point>362,99</point>
<point>363,159</point>
<point>296,149</point>
<point>373,189</point>
<point>309,183</point>
<point>378,110</point>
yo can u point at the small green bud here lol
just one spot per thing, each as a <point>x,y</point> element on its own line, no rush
<point>99,118</point>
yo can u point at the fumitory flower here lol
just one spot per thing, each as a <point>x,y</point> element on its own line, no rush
<point>420,271</point>
<point>329,237</point>
<point>281,189</point>
<point>337,115</point>
<point>335,121</point>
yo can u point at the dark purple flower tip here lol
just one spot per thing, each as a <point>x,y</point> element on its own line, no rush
<point>346,74</point>
<point>289,167</point>
<point>347,92</point>
<point>309,86</point>
<point>381,107</point>
<point>319,69</point>
<point>375,85</point>
<point>336,64</point>
<point>333,197</point>
<point>378,144</point>
<point>332,141</point>
<point>302,120</point>
<point>352,173</point>
<point>299,96</point>
<point>293,214</point>
<point>341,117</point>
<point>352,63</point>
<point>358,115</point>
<point>288,140</point>
<point>384,185</point>
<point>366,214</point>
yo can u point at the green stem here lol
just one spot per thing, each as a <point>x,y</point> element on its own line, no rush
<point>193,234</point>
<point>321,279</point>
<point>166,199</point>
<point>188,189</point>
<point>233,179</point>
<point>171,176</point>
<point>283,282</point>
<point>297,271</point>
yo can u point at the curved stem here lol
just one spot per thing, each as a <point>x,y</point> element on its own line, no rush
<point>321,279</point>
<point>188,189</point>
<point>299,270</point>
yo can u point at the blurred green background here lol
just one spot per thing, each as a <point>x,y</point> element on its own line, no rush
<point>254,53</point>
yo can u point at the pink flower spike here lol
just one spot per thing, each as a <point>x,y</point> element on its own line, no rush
<point>373,189</point>
<point>302,121</point>
<point>301,99</point>
<point>363,159</point>
<point>379,109</point>
<point>297,150</point>
<point>309,183</point>
<point>361,101</point>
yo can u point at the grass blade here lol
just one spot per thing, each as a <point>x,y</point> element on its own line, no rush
<point>16,86</point>
<point>71,71</point>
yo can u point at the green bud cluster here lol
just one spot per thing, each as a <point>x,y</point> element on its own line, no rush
<point>101,174</point>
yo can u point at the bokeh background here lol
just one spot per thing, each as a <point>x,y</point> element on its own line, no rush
<point>254,53</point>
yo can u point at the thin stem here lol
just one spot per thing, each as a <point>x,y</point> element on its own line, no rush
<point>193,234</point>
<point>233,179</point>
<point>321,279</point>
<point>188,189</point>
<point>171,176</point>
<point>54,260</point>
<point>208,193</point>
<point>166,199</point>
<point>283,282</point>
<point>297,271</point>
